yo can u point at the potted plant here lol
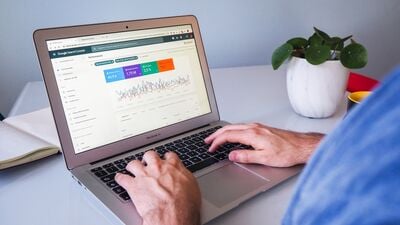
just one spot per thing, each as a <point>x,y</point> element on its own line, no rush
<point>318,71</point>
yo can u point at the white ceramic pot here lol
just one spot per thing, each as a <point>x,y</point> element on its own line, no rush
<point>316,91</point>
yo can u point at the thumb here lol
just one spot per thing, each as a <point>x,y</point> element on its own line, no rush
<point>247,156</point>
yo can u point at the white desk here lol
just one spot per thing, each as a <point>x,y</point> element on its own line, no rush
<point>43,192</point>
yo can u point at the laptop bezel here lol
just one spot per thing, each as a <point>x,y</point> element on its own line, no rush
<point>74,160</point>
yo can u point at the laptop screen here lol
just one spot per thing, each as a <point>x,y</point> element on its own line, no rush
<point>118,85</point>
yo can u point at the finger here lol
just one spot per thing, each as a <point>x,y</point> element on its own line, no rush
<point>172,158</point>
<point>248,156</point>
<point>136,168</point>
<point>234,136</point>
<point>151,157</point>
<point>124,181</point>
<point>210,138</point>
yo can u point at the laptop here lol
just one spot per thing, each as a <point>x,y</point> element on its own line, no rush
<point>120,89</point>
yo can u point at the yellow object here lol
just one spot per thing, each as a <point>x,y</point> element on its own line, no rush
<point>358,96</point>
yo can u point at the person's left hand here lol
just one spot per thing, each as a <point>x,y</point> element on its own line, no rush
<point>163,191</point>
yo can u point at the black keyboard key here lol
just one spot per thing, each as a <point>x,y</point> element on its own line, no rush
<point>130,158</point>
<point>197,139</point>
<point>173,148</point>
<point>96,169</point>
<point>229,145</point>
<point>192,147</point>
<point>195,159</point>
<point>202,149</point>
<point>112,169</point>
<point>194,135</point>
<point>201,144</point>
<point>182,150</point>
<point>140,154</point>
<point>189,142</point>
<point>203,136</point>
<point>112,184</point>
<point>201,165</point>
<point>222,150</point>
<point>121,165</point>
<point>211,153</point>
<point>124,196</point>
<point>221,156</point>
<point>183,157</point>
<point>159,147</point>
<point>119,161</point>
<point>108,178</point>
<point>118,190</point>
<point>161,151</point>
<point>203,132</point>
<point>177,141</point>
<point>180,145</point>
<point>192,153</point>
<point>187,163</point>
<point>100,173</point>
<point>107,165</point>
<point>204,156</point>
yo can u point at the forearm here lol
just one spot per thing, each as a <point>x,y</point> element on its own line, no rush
<point>189,215</point>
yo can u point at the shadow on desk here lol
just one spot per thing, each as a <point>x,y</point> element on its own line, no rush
<point>24,171</point>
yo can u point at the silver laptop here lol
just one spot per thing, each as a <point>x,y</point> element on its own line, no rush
<point>119,89</point>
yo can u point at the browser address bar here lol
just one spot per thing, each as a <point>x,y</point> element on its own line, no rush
<point>124,37</point>
<point>126,44</point>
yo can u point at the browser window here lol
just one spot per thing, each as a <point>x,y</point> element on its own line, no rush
<point>118,85</point>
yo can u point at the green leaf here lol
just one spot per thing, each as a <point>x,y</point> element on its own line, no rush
<point>322,34</point>
<point>354,56</point>
<point>281,54</point>
<point>315,40</point>
<point>347,38</point>
<point>298,42</point>
<point>335,43</point>
<point>317,54</point>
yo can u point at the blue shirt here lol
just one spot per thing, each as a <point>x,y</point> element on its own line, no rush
<point>354,175</point>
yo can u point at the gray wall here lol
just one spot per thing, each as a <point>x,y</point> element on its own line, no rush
<point>235,33</point>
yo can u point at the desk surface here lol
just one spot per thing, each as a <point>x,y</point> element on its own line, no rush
<point>43,192</point>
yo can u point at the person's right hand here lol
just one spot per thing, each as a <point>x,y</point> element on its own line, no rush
<point>163,191</point>
<point>272,146</point>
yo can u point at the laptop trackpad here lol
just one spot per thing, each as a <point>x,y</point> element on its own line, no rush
<point>228,184</point>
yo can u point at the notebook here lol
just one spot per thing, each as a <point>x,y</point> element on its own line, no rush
<point>119,89</point>
<point>26,138</point>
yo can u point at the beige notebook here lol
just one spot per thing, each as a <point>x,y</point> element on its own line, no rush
<point>27,137</point>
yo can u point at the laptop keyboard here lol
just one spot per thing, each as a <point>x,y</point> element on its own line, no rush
<point>191,150</point>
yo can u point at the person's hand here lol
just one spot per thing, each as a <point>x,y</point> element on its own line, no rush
<point>163,191</point>
<point>272,146</point>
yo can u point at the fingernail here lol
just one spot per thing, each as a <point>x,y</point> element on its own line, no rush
<point>116,176</point>
<point>232,156</point>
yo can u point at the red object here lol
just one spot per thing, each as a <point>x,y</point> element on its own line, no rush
<point>359,82</point>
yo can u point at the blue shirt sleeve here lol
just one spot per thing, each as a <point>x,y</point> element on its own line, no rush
<point>354,175</point>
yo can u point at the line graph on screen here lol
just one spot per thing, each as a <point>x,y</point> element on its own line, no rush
<point>146,88</point>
